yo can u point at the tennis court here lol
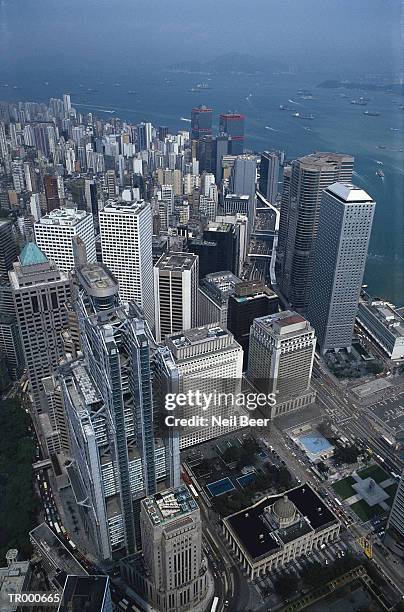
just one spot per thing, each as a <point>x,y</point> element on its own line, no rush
<point>220,486</point>
<point>247,479</point>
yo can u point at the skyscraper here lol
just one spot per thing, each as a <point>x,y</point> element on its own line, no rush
<point>269,175</point>
<point>207,359</point>
<point>173,573</point>
<point>109,401</point>
<point>248,301</point>
<point>280,359</point>
<point>55,231</point>
<point>201,122</point>
<point>51,192</point>
<point>126,242</point>
<point>344,228</point>
<point>144,136</point>
<point>40,292</point>
<point>232,124</point>
<point>243,175</point>
<point>8,247</point>
<point>175,293</point>
<point>395,522</point>
<point>310,175</point>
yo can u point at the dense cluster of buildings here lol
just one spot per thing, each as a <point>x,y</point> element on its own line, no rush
<point>127,272</point>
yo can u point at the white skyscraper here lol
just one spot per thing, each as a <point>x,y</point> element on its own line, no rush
<point>209,360</point>
<point>54,233</point>
<point>175,293</point>
<point>126,242</point>
<point>345,224</point>
<point>280,359</point>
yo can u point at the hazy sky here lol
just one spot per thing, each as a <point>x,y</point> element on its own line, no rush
<point>347,33</point>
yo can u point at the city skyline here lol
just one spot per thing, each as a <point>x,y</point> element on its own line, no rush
<point>201,306</point>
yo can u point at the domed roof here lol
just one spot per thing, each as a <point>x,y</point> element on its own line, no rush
<point>284,509</point>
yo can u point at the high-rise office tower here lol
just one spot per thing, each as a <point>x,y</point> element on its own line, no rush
<point>162,132</point>
<point>269,175</point>
<point>234,204</point>
<point>343,234</point>
<point>225,235</point>
<point>51,192</point>
<point>173,573</point>
<point>67,105</point>
<point>126,242</point>
<point>214,292</point>
<point>201,122</point>
<point>175,293</point>
<point>209,360</point>
<point>205,154</point>
<point>310,175</point>
<point>232,124</point>
<point>144,136</point>
<point>116,459</point>
<point>110,183</point>
<point>221,148</point>
<point>40,292</point>
<point>395,524</point>
<point>248,301</point>
<point>8,247</point>
<point>280,359</point>
<point>55,231</point>
<point>243,175</point>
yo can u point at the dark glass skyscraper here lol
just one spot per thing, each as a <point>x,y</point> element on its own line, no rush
<point>201,122</point>
<point>232,124</point>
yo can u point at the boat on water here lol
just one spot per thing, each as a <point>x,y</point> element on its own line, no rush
<point>359,102</point>
<point>299,116</point>
<point>285,108</point>
<point>131,92</point>
<point>371,114</point>
<point>379,163</point>
<point>380,174</point>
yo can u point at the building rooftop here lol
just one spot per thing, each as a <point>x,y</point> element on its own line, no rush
<point>321,158</point>
<point>260,537</point>
<point>53,548</point>
<point>170,505</point>
<point>176,262</point>
<point>285,323</point>
<point>197,335</point>
<point>349,193</point>
<point>13,579</point>
<point>386,314</point>
<point>121,207</point>
<point>220,284</point>
<point>31,255</point>
<point>68,217</point>
<point>84,594</point>
<point>97,280</point>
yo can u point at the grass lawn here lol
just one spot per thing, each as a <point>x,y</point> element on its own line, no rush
<point>375,472</point>
<point>343,487</point>
<point>366,512</point>
<point>391,490</point>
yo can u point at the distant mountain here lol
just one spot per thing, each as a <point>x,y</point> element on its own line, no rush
<point>396,88</point>
<point>235,63</point>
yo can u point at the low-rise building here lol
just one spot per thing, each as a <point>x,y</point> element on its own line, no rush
<point>279,529</point>
<point>14,579</point>
<point>384,324</point>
